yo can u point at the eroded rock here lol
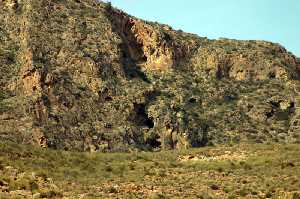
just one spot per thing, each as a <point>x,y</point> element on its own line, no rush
<point>85,76</point>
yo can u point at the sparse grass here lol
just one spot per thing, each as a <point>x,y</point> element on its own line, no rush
<point>91,103</point>
<point>267,171</point>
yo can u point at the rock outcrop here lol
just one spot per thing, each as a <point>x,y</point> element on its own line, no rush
<point>153,46</point>
<point>82,75</point>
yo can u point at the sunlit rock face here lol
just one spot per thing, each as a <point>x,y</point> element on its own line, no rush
<point>82,75</point>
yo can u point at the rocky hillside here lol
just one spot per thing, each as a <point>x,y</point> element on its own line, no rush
<point>82,75</point>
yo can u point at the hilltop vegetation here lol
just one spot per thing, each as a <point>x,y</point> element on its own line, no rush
<point>82,75</point>
<point>200,118</point>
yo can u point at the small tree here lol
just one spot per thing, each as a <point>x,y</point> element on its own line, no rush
<point>108,5</point>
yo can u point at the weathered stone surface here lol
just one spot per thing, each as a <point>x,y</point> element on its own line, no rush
<point>81,75</point>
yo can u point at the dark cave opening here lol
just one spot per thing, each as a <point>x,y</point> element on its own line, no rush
<point>270,114</point>
<point>192,100</point>
<point>142,117</point>
<point>153,142</point>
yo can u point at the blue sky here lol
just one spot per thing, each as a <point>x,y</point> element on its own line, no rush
<point>272,20</point>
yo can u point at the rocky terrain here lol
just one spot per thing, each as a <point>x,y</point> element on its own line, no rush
<point>255,171</point>
<point>81,75</point>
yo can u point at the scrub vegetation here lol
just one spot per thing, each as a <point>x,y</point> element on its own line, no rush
<point>95,103</point>
<point>239,171</point>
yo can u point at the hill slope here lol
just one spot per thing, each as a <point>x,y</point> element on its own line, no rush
<point>81,75</point>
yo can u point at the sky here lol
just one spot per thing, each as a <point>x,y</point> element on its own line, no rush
<point>272,20</point>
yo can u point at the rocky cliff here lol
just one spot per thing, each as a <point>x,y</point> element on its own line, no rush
<point>82,75</point>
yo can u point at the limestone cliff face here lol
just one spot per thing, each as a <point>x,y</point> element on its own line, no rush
<point>152,46</point>
<point>248,60</point>
<point>81,75</point>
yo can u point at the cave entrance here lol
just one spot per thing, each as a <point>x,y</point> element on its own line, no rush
<point>141,117</point>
